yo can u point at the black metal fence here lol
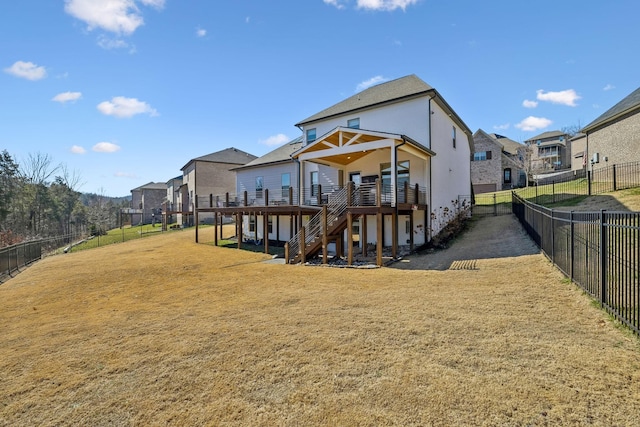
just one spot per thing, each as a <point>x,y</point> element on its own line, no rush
<point>488,204</point>
<point>15,257</point>
<point>600,251</point>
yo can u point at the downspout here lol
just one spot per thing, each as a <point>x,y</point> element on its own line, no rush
<point>430,205</point>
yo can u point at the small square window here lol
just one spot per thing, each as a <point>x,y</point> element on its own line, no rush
<point>311,135</point>
<point>354,123</point>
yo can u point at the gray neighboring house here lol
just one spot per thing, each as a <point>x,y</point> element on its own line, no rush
<point>209,174</point>
<point>579,157</point>
<point>614,137</point>
<point>148,198</point>
<point>496,163</point>
<point>171,203</point>
<point>550,151</point>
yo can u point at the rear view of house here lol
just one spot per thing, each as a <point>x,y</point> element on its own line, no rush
<point>497,163</point>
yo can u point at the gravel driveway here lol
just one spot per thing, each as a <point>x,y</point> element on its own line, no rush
<point>490,237</point>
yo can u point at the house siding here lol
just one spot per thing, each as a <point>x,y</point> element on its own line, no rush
<point>619,142</point>
<point>487,175</point>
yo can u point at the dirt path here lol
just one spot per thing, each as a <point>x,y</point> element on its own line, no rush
<point>490,237</point>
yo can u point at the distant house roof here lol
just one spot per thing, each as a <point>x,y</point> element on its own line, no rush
<point>230,155</point>
<point>509,145</point>
<point>545,135</point>
<point>627,105</point>
<point>152,186</point>
<point>386,93</point>
<point>279,155</point>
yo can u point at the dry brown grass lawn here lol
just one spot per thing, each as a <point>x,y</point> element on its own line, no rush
<point>162,331</point>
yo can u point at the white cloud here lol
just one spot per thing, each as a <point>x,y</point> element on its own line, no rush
<point>67,97</point>
<point>385,5</point>
<point>200,32</point>
<point>108,43</point>
<point>337,3</point>
<point>247,19</point>
<point>122,107</point>
<point>117,16</point>
<point>502,127</point>
<point>608,87</point>
<point>106,147</point>
<point>533,123</point>
<point>529,104</point>
<point>275,140</point>
<point>564,97</point>
<point>130,175</point>
<point>27,70</point>
<point>76,149</point>
<point>371,82</point>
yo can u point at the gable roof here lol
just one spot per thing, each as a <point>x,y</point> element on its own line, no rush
<point>152,186</point>
<point>279,155</point>
<point>627,105</point>
<point>228,155</point>
<point>509,145</point>
<point>390,91</point>
<point>545,135</point>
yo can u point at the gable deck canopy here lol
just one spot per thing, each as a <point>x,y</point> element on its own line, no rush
<point>342,146</point>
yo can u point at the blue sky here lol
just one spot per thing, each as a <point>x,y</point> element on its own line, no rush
<point>127,91</point>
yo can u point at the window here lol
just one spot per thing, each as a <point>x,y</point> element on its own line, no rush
<point>355,178</point>
<point>252,224</point>
<point>403,173</point>
<point>311,135</point>
<point>354,123</point>
<point>259,186</point>
<point>286,183</point>
<point>507,176</point>
<point>481,155</point>
<point>453,135</point>
<point>313,180</point>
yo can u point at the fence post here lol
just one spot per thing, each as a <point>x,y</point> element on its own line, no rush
<point>536,192</point>
<point>553,191</point>
<point>615,187</point>
<point>495,206</point>
<point>603,258</point>
<point>553,239</point>
<point>571,248</point>
<point>588,183</point>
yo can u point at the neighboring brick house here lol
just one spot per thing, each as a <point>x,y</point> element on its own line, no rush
<point>614,137</point>
<point>579,157</point>
<point>149,198</point>
<point>496,163</point>
<point>172,200</point>
<point>550,151</point>
<point>210,174</point>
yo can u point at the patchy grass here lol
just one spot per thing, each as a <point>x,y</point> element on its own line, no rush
<point>165,331</point>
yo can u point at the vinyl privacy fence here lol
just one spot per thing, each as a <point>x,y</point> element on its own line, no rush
<point>599,251</point>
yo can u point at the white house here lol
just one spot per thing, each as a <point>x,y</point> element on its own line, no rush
<point>388,166</point>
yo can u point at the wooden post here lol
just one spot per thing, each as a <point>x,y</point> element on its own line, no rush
<point>291,195</point>
<point>349,192</point>
<point>325,236</point>
<point>406,192</point>
<point>411,230</point>
<point>349,238</point>
<point>303,246</point>
<point>226,202</point>
<point>319,195</point>
<point>286,253</point>
<point>417,195</point>
<point>379,242</point>
<point>266,197</point>
<point>378,193</point>
<point>210,200</point>
<point>246,199</point>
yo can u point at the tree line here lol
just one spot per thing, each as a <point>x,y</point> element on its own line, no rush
<point>40,199</point>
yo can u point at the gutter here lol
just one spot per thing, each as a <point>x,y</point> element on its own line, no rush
<point>428,214</point>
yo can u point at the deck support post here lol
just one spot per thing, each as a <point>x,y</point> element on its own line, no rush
<point>365,252</point>
<point>394,234</point>
<point>215,228</point>
<point>325,237</point>
<point>265,232</point>
<point>239,229</point>
<point>303,246</point>
<point>349,238</point>
<point>380,238</point>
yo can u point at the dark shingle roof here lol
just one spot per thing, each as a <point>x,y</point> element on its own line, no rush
<point>627,105</point>
<point>379,94</point>
<point>229,155</point>
<point>509,145</point>
<point>280,154</point>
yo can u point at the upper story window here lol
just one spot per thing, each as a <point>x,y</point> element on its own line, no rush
<point>259,186</point>
<point>453,135</point>
<point>311,135</point>
<point>481,155</point>
<point>286,183</point>
<point>354,123</point>
<point>313,181</point>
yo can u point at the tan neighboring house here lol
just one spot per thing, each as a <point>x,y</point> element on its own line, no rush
<point>209,174</point>
<point>549,151</point>
<point>579,157</point>
<point>171,203</point>
<point>614,137</point>
<point>496,163</point>
<point>148,200</point>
